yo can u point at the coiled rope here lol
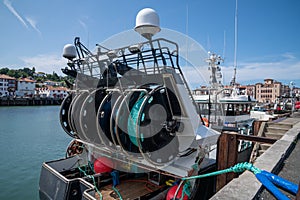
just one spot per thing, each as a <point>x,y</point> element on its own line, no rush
<point>267,179</point>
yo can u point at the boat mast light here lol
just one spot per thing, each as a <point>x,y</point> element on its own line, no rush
<point>135,48</point>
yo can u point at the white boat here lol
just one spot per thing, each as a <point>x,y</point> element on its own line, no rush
<point>259,112</point>
<point>222,106</point>
<point>135,126</point>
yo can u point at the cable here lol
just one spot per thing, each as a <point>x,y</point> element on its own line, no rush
<point>117,192</point>
<point>238,168</point>
<point>94,182</point>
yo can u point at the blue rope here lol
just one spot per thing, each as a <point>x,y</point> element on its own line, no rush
<point>115,178</point>
<point>277,180</point>
<point>267,179</point>
<point>270,186</point>
<point>116,181</point>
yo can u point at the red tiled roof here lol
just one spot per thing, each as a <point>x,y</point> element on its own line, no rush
<point>26,80</point>
<point>58,88</point>
<point>6,77</point>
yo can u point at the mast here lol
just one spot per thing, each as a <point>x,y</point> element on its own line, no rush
<point>233,81</point>
<point>214,61</point>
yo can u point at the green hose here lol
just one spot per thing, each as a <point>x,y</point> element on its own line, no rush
<point>238,168</point>
<point>133,119</point>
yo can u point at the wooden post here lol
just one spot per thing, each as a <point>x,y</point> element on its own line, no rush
<point>226,157</point>
<point>256,127</point>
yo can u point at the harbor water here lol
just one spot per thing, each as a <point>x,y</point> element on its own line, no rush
<point>29,135</point>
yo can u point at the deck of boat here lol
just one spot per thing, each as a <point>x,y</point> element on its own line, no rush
<point>129,189</point>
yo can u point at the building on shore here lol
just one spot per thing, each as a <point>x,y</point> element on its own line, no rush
<point>52,83</point>
<point>40,74</point>
<point>25,87</point>
<point>52,92</point>
<point>296,91</point>
<point>270,90</point>
<point>7,85</point>
<point>242,89</point>
<point>267,92</point>
<point>203,90</point>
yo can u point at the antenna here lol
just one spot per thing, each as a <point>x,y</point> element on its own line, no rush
<point>233,81</point>
<point>224,45</point>
<point>187,20</point>
<point>208,42</point>
<point>187,32</point>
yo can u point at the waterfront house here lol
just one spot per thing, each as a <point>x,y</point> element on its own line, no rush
<point>25,87</point>
<point>53,92</point>
<point>268,91</point>
<point>7,85</point>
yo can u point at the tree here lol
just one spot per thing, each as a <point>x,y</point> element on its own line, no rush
<point>27,71</point>
<point>4,70</point>
<point>56,77</point>
<point>12,73</point>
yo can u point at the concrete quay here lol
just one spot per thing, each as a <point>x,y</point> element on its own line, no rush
<point>282,158</point>
<point>29,101</point>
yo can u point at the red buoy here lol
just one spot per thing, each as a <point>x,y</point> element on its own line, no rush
<point>103,165</point>
<point>172,191</point>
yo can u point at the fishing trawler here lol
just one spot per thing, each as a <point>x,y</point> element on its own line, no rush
<point>134,123</point>
<point>221,105</point>
<point>223,108</point>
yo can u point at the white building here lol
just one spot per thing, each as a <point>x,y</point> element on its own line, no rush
<point>25,87</point>
<point>52,83</point>
<point>7,85</point>
<point>296,91</point>
<point>53,92</point>
<point>40,74</point>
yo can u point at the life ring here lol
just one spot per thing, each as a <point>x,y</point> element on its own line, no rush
<point>206,122</point>
<point>75,147</point>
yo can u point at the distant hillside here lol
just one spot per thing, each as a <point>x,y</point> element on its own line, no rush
<point>39,77</point>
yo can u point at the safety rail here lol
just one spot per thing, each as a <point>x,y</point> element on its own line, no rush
<point>145,57</point>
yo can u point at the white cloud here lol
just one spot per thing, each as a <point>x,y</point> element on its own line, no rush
<point>8,4</point>
<point>30,20</point>
<point>286,67</point>
<point>289,56</point>
<point>84,26</point>
<point>283,68</point>
<point>33,24</point>
<point>45,63</point>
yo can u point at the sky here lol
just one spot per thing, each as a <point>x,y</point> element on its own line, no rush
<point>34,32</point>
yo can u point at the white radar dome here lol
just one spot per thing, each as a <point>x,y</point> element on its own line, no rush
<point>69,51</point>
<point>147,23</point>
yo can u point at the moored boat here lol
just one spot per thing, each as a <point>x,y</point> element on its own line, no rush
<point>135,127</point>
